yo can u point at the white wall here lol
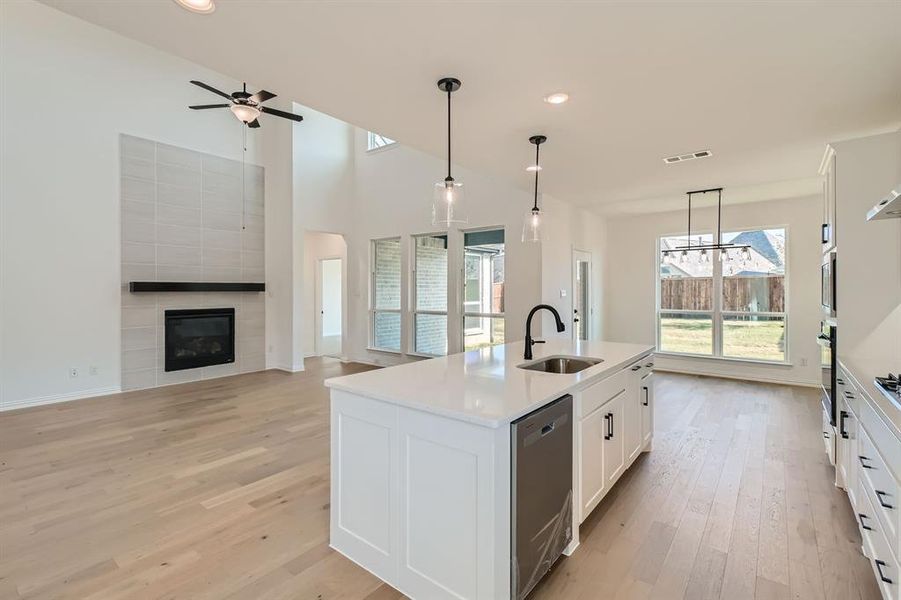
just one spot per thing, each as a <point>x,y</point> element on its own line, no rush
<point>630,293</point>
<point>68,90</point>
<point>317,246</point>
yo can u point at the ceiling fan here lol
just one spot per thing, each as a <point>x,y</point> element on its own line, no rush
<point>245,106</point>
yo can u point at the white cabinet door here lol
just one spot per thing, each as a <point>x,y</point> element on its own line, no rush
<point>592,483</point>
<point>632,412</point>
<point>448,487</point>
<point>364,455</point>
<point>613,438</point>
<point>647,408</point>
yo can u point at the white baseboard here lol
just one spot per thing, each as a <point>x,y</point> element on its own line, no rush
<point>755,378</point>
<point>57,398</point>
<point>288,368</point>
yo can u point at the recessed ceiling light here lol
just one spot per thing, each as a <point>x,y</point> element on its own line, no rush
<point>557,98</point>
<point>533,168</point>
<point>199,6</point>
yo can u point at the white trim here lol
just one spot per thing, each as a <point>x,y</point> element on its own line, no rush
<point>285,368</point>
<point>385,350</point>
<point>739,377</point>
<point>753,361</point>
<point>58,398</point>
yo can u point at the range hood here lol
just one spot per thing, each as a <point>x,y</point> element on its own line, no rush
<point>887,208</point>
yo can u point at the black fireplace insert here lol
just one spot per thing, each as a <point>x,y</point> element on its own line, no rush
<point>199,338</point>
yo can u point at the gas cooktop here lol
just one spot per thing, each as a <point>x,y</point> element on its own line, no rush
<point>890,386</point>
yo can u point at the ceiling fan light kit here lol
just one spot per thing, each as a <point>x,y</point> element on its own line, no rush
<point>448,208</point>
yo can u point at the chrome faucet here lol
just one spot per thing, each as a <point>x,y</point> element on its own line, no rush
<point>529,341</point>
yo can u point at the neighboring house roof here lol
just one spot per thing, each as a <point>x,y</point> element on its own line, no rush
<point>765,243</point>
<point>767,256</point>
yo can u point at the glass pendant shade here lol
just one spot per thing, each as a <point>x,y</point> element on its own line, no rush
<point>448,206</point>
<point>244,112</point>
<point>533,229</point>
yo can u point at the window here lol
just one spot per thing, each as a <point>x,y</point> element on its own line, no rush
<point>430,294</point>
<point>731,308</point>
<point>483,288</point>
<point>385,316</point>
<point>375,141</point>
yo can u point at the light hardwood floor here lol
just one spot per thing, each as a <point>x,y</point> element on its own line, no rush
<point>219,489</point>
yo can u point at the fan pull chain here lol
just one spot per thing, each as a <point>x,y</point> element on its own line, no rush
<point>243,179</point>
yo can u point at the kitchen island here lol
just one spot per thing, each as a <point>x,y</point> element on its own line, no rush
<point>421,458</point>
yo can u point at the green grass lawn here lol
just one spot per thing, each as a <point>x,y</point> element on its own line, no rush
<point>762,340</point>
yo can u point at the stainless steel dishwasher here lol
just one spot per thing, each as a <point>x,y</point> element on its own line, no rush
<point>541,495</point>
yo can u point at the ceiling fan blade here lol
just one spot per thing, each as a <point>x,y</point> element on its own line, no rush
<point>281,113</point>
<point>254,124</point>
<point>211,89</point>
<point>205,106</point>
<point>262,96</point>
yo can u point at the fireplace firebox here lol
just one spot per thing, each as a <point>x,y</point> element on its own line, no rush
<point>199,338</point>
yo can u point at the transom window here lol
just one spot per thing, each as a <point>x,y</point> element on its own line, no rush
<point>374,141</point>
<point>728,304</point>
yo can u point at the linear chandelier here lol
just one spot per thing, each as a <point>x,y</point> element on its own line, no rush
<point>704,249</point>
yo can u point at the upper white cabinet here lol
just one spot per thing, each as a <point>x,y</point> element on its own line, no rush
<point>827,228</point>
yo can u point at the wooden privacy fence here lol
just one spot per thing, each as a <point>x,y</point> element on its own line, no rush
<point>761,294</point>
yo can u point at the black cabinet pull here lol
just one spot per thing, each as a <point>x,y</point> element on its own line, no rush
<point>841,424</point>
<point>826,434</point>
<point>636,367</point>
<point>824,239</point>
<point>879,565</point>
<point>863,464</point>
<point>884,504</point>
<point>607,419</point>
<point>647,395</point>
<point>863,525</point>
<point>839,381</point>
<point>649,365</point>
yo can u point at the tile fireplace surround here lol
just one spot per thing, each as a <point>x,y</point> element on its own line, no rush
<point>182,221</point>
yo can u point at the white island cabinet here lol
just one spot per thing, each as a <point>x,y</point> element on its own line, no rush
<point>421,458</point>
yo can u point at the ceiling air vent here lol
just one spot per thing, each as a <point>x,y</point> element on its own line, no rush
<point>683,157</point>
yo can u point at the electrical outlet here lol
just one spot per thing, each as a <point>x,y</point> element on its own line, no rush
<point>93,370</point>
<point>73,372</point>
<point>563,293</point>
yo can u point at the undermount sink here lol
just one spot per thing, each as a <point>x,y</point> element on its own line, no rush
<point>565,365</point>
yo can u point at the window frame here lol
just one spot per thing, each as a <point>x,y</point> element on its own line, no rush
<point>372,292</point>
<point>717,313</point>
<point>462,295</point>
<point>413,311</point>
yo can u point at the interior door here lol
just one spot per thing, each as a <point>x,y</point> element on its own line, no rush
<point>328,300</point>
<point>581,320</point>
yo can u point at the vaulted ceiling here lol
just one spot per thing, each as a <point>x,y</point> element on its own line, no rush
<point>762,85</point>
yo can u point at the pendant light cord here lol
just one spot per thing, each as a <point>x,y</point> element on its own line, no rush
<point>244,176</point>
<point>449,178</point>
<point>537,169</point>
<point>719,216</point>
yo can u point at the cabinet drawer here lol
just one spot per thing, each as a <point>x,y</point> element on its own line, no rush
<point>847,391</point>
<point>881,437</point>
<point>880,486</point>
<point>603,391</point>
<point>876,548</point>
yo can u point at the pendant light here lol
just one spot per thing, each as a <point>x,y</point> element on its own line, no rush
<point>723,249</point>
<point>447,201</point>
<point>532,221</point>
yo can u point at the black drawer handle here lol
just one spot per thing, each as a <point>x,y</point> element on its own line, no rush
<point>649,365</point>
<point>849,395</point>
<point>647,395</point>
<point>863,464</point>
<point>826,434</point>
<point>879,495</point>
<point>839,381</point>
<point>636,367</point>
<point>841,424</point>
<point>879,565</point>
<point>863,525</point>
<point>608,418</point>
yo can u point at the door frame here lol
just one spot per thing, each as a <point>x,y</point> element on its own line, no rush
<point>587,319</point>
<point>317,307</point>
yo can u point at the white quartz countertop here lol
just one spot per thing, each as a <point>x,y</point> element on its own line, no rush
<point>865,371</point>
<point>485,386</point>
